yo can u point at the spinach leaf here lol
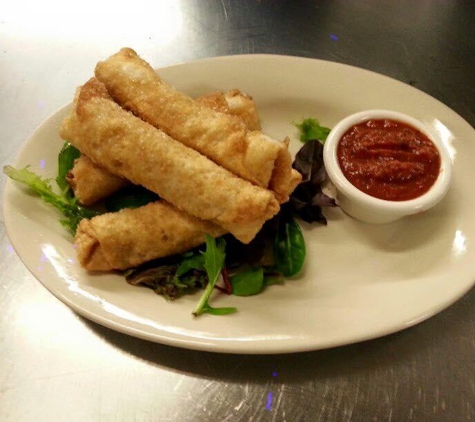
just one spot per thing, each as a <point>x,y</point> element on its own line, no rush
<point>253,253</point>
<point>248,282</point>
<point>310,129</point>
<point>129,197</point>
<point>66,158</point>
<point>194,262</point>
<point>214,256</point>
<point>289,248</point>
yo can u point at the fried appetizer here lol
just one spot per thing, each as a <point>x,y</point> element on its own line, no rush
<point>215,101</point>
<point>223,138</point>
<point>91,183</point>
<point>130,148</point>
<point>129,237</point>
<point>236,103</point>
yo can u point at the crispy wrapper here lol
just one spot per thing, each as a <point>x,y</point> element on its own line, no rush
<point>91,183</point>
<point>127,238</point>
<point>223,138</point>
<point>235,103</point>
<point>131,148</point>
<point>243,106</point>
<point>215,101</point>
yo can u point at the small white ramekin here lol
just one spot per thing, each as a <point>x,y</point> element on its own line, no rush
<point>368,208</point>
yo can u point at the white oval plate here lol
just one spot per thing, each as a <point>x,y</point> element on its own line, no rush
<point>360,281</point>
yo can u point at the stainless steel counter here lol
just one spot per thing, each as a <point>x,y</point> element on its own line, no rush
<point>57,366</point>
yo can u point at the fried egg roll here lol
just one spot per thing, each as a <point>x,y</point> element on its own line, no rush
<point>236,103</point>
<point>128,147</point>
<point>130,237</point>
<point>216,101</point>
<point>223,138</point>
<point>91,183</point>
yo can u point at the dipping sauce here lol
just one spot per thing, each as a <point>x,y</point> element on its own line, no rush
<point>388,159</point>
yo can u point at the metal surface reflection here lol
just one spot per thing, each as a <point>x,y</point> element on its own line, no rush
<point>164,20</point>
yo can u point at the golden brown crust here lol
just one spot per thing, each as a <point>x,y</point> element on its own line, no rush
<point>91,89</point>
<point>130,148</point>
<point>243,106</point>
<point>216,101</point>
<point>224,139</point>
<point>89,253</point>
<point>281,183</point>
<point>124,239</point>
<point>91,183</point>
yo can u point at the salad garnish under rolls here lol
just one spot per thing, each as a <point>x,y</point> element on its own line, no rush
<point>225,139</point>
<point>130,148</point>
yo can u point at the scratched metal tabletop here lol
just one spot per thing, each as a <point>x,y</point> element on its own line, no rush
<point>58,366</point>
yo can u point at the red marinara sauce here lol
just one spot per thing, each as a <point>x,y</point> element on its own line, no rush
<point>388,159</point>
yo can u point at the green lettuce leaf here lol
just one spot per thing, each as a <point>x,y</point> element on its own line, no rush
<point>289,248</point>
<point>214,256</point>
<point>248,282</point>
<point>311,130</point>
<point>42,187</point>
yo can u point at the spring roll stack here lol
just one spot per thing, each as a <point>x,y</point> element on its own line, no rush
<point>91,183</point>
<point>199,194</point>
<point>224,139</point>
